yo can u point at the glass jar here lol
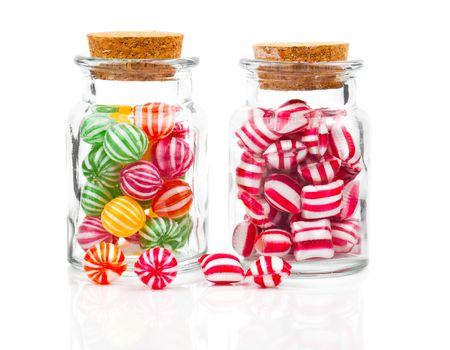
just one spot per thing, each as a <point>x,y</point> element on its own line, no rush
<point>298,160</point>
<point>137,160</point>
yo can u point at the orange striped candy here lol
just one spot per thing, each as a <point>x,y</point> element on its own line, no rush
<point>156,119</point>
<point>173,200</point>
<point>123,216</point>
<point>104,263</point>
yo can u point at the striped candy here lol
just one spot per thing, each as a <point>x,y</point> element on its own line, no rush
<point>350,200</point>
<point>274,242</point>
<point>173,200</point>
<point>99,168</point>
<point>255,135</point>
<point>290,117</point>
<point>161,232</point>
<point>345,234</point>
<point>180,129</point>
<point>140,180</point>
<point>249,173</point>
<point>243,240</point>
<point>94,197</point>
<point>312,239</point>
<point>221,268</point>
<point>172,156</point>
<point>315,137</point>
<point>92,232</point>
<point>125,143</point>
<point>285,154</point>
<point>349,172</point>
<point>320,173</point>
<point>185,225</point>
<point>260,212</point>
<point>283,192</point>
<point>156,119</point>
<point>120,109</point>
<point>268,271</point>
<point>156,267</point>
<point>94,127</point>
<point>123,216</point>
<point>104,263</point>
<point>322,201</point>
<point>344,143</point>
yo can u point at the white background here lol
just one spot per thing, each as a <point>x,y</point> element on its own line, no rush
<point>403,299</point>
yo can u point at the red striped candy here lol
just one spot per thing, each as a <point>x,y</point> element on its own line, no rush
<point>172,156</point>
<point>322,201</point>
<point>344,144</point>
<point>268,271</point>
<point>349,172</point>
<point>350,200</point>
<point>249,173</point>
<point>140,180</point>
<point>315,137</point>
<point>243,240</point>
<point>345,234</point>
<point>285,154</point>
<point>91,232</point>
<point>320,173</point>
<point>104,263</point>
<point>156,267</point>
<point>261,213</point>
<point>255,135</point>
<point>290,117</point>
<point>312,239</point>
<point>274,242</point>
<point>173,200</point>
<point>180,129</point>
<point>283,192</point>
<point>156,119</point>
<point>221,268</point>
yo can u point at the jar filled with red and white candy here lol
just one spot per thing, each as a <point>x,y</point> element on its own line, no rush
<point>299,160</point>
<point>136,151</point>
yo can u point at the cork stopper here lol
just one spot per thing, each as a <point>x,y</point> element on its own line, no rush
<point>135,45</point>
<point>301,74</point>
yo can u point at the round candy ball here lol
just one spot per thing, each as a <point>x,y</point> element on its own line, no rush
<point>156,119</point>
<point>104,263</point>
<point>173,200</point>
<point>156,267</point>
<point>125,143</point>
<point>94,197</point>
<point>172,156</point>
<point>99,168</point>
<point>94,127</point>
<point>91,232</point>
<point>140,180</point>
<point>123,216</point>
<point>161,232</point>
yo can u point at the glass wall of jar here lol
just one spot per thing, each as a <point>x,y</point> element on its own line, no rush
<point>298,167</point>
<point>136,159</point>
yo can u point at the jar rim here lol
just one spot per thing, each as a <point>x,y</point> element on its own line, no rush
<point>94,62</point>
<point>253,64</point>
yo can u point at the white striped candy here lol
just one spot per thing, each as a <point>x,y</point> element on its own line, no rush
<point>315,137</point>
<point>345,234</point>
<point>344,143</point>
<point>260,212</point>
<point>321,201</point>
<point>320,173</point>
<point>290,117</point>
<point>249,173</point>
<point>273,242</point>
<point>285,154</point>
<point>172,156</point>
<point>221,268</point>
<point>268,271</point>
<point>283,192</point>
<point>243,240</point>
<point>350,200</point>
<point>140,180</point>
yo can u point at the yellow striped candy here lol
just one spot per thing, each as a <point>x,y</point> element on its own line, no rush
<point>123,216</point>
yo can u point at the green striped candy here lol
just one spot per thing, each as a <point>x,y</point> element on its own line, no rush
<point>99,168</point>
<point>161,232</point>
<point>94,126</point>
<point>125,143</point>
<point>94,197</point>
<point>185,224</point>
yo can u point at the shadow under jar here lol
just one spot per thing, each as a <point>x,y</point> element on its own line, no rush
<point>298,163</point>
<point>136,160</point>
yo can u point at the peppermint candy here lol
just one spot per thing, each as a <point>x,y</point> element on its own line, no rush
<point>156,268</point>
<point>91,232</point>
<point>350,200</point>
<point>243,240</point>
<point>285,154</point>
<point>345,235</point>
<point>104,263</point>
<point>320,173</point>
<point>344,143</point>
<point>312,239</point>
<point>249,173</point>
<point>156,119</point>
<point>273,242</point>
<point>283,192</point>
<point>290,117</point>
<point>315,137</point>
<point>172,156</point>
<point>260,212</point>
<point>321,201</point>
<point>221,268</point>
<point>268,271</point>
<point>140,180</point>
<point>349,172</point>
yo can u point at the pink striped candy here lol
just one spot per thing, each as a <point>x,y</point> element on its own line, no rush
<point>312,239</point>
<point>315,137</point>
<point>285,154</point>
<point>249,173</point>
<point>273,242</point>
<point>91,232</point>
<point>140,180</point>
<point>283,192</point>
<point>268,271</point>
<point>350,200</point>
<point>243,240</point>
<point>172,156</point>
<point>345,234</point>
<point>344,144</point>
<point>320,173</point>
<point>261,213</point>
<point>156,119</point>
<point>221,268</point>
<point>255,135</point>
<point>290,117</point>
<point>322,201</point>
<point>156,267</point>
<point>180,129</point>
